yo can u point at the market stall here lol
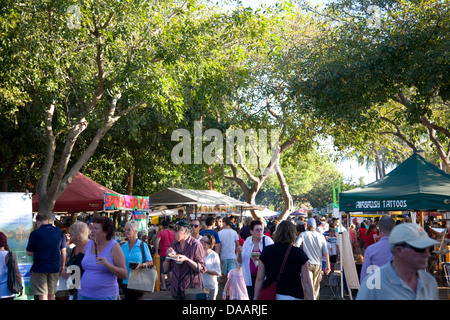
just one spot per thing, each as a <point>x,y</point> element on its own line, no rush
<point>86,195</point>
<point>415,186</point>
<point>193,202</point>
<point>198,202</point>
<point>82,194</point>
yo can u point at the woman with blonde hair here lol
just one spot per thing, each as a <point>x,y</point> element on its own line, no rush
<point>212,262</point>
<point>79,236</point>
<point>134,259</point>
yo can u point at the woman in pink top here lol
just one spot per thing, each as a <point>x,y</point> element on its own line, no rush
<point>352,235</point>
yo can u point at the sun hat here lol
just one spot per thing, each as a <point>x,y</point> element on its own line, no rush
<point>183,223</point>
<point>411,234</point>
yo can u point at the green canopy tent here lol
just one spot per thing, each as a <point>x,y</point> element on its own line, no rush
<point>415,185</point>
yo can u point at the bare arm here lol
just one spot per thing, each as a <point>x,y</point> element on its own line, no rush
<point>306,280</point>
<point>259,279</point>
<point>119,268</point>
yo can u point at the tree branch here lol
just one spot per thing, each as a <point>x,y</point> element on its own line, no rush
<point>397,133</point>
<point>50,154</point>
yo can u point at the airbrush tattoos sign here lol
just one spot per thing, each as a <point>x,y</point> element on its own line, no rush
<point>125,202</point>
<point>382,204</point>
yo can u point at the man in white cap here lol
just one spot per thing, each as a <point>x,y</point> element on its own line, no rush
<point>314,245</point>
<point>404,277</point>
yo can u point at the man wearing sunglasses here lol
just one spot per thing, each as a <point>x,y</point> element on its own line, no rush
<point>405,276</point>
<point>195,229</point>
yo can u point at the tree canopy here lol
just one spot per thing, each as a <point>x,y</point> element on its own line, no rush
<point>102,86</point>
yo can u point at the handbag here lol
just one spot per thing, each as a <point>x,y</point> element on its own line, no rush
<point>14,278</point>
<point>142,279</point>
<point>270,292</point>
<point>196,293</point>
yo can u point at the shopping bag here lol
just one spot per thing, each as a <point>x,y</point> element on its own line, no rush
<point>142,279</point>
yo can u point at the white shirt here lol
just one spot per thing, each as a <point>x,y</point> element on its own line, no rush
<point>333,243</point>
<point>228,238</point>
<point>212,262</point>
<point>314,245</point>
<point>247,249</point>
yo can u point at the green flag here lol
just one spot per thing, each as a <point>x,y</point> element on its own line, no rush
<point>339,188</point>
<point>334,194</point>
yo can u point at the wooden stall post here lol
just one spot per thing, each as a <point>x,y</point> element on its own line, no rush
<point>157,263</point>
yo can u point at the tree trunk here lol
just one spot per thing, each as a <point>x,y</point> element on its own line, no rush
<point>287,198</point>
<point>250,194</point>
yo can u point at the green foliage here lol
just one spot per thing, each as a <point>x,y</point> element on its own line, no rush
<point>359,72</point>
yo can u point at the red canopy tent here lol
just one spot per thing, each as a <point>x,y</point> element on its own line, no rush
<point>82,194</point>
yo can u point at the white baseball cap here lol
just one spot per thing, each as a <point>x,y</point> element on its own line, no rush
<point>311,222</point>
<point>411,234</point>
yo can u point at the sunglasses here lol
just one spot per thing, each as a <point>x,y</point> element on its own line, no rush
<point>194,225</point>
<point>418,250</point>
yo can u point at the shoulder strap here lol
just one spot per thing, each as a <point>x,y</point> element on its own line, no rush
<point>142,251</point>
<point>284,262</point>
<point>7,258</point>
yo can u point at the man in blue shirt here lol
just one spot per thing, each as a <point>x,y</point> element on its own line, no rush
<point>210,224</point>
<point>379,253</point>
<point>47,245</point>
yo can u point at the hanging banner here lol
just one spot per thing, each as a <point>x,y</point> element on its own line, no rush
<point>16,222</point>
<point>141,218</point>
<point>125,202</point>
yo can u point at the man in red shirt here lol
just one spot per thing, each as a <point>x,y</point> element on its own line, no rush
<point>163,241</point>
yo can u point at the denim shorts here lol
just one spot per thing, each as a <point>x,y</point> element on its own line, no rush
<point>227,265</point>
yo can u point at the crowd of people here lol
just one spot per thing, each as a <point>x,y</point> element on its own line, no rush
<point>244,256</point>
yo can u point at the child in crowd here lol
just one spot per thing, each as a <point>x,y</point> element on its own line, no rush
<point>235,284</point>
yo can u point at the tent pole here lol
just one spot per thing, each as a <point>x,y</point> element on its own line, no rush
<point>340,264</point>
